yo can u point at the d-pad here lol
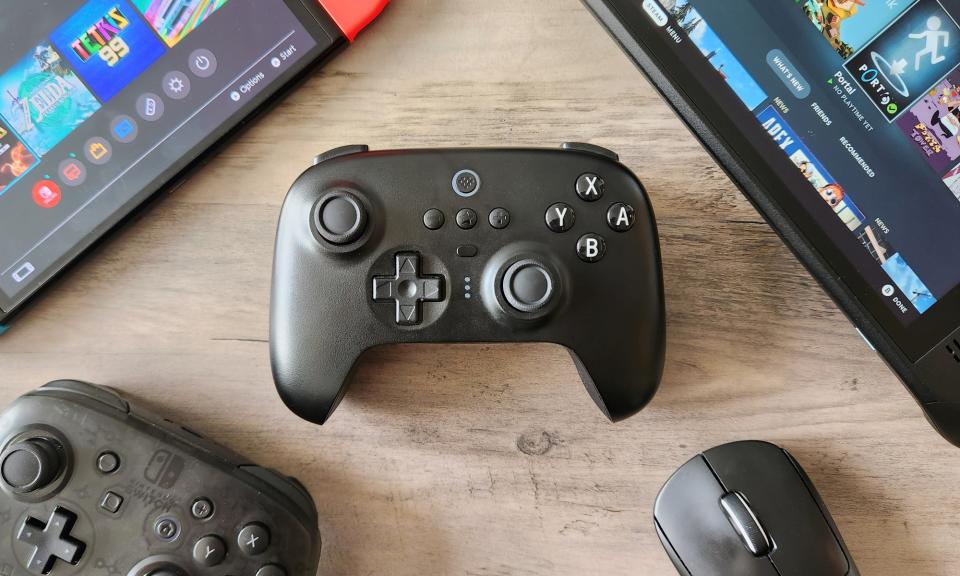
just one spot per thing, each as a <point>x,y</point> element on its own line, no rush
<point>408,288</point>
<point>51,541</point>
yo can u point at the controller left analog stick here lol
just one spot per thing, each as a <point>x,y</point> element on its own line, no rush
<point>340,218</point>
<point>31,465</point>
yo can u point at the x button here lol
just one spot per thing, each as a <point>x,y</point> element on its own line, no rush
<point>590,187</point>
<point>51,541</point>
<point>408,288</point>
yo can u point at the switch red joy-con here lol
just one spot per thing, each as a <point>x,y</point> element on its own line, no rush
<point>352,16</point>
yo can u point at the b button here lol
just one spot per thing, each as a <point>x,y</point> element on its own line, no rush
<point>591,248</point>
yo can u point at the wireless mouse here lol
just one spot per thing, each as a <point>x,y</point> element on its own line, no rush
<point>748,509</point>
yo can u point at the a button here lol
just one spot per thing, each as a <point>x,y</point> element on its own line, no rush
<point>201,509</point>
<point>341,151</point>
<point>271,570</point>
<point>621,217</point>
<point>657,14</point>
<point>408,288</point>
<point>467,218</point>
<point>591,248</point>
<point>784,69</point>
<point>560,217</point>
<point>209,551</point>
<point>150,107</point>
<point>124,129</point>
<point>499,218</point>
<point>108,462</point>
<point>591,148</point>
<point>466,183</point>
<point>467,251</point>
<point>433,219</point>
<point>46,194</point>
<point>98,150</point>
<point>31,465</point>
<point>254,539</point>
<point>166,528</point>
<point>51,541</point>
<point>73,172</point>
<point>111,502</point>
<point>528,286</point>
<point>340,218</point>
<point>203,63</point>
<point>591,187</point>
<point>176,85</point>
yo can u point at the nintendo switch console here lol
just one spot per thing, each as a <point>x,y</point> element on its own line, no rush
<point>412,246</point>
<point>90,484</point>
<point>104,103</point>
<point>840,121</point>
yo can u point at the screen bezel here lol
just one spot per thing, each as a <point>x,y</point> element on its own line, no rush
<point>731,133</point>
<point>329,40</point>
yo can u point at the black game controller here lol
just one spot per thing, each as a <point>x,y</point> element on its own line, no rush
<point>522,245</point>
<point>89,485</point>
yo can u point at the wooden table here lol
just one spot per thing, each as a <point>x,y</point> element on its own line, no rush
<point>437,463</point>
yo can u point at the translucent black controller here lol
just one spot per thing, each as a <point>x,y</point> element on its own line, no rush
<point>90,485</point>
<point>522,245</point>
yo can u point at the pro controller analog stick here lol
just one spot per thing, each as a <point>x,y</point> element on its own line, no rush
<point>340,218</point>
<point>31,465</point>
<point>529,286</point>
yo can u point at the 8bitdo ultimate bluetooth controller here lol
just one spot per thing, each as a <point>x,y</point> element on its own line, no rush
<point>522,245</point>
<point>92,486</point>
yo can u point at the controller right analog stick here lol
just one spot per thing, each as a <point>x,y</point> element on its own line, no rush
<point>31,465</point>
<point>529,286</point>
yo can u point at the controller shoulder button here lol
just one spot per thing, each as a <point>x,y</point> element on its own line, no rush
<point>590,149</point>
<point>339,152</point>
<point>99,393</point>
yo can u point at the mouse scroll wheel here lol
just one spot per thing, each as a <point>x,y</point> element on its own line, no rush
<point>745,522</point>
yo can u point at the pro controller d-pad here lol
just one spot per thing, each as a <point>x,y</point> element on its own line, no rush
<point>91,485</point>
<point>523,245</point>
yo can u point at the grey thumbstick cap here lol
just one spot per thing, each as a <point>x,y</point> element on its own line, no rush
<point>528,286</point>
<point>340,218</point>
<point>31,465</point>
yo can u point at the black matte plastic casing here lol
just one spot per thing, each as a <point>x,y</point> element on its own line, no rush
<point>89,420</point>
<point>700,540</point>
<point>609,314</point>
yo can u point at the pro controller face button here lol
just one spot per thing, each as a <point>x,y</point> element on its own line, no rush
<point>591,187</point>
<point>31,465</point>
<point>51,541</point>
<point>621,217</point>
<point>591,248</point>
<point>528,286</point>
<point>408,288</point>
<point>499,218</point>
<point>466,183</point>
<point>254,539</point>
<point>433,219</point>
<point>340,218</point>
<point>560,217</point>
<point>209,551</point>
<point>466,219</point>
<point>271,570</point>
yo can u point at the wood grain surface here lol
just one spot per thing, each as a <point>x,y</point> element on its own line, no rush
<point>492,460</point>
